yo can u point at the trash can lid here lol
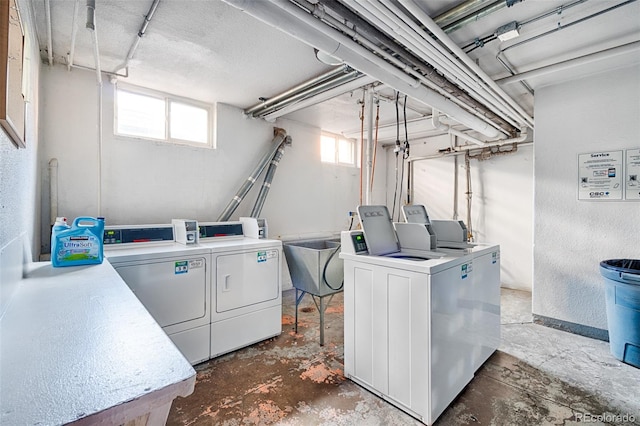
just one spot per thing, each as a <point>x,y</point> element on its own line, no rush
<point>630,266</point>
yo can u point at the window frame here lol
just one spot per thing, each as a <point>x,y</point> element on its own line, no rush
<point>336,149</point>
<point>168,99</point>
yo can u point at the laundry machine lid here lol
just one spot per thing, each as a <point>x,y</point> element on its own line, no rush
<point>378,230</point>
<point>415,213</point>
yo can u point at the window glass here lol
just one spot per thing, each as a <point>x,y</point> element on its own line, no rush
<point>140,115</point>
<point>328,149</point>
<point>188,122</point>
<point>337,150</point>
<point>147,114</point>
<point>345,151</point>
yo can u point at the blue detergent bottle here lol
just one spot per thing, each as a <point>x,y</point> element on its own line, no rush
<point>78,244</point>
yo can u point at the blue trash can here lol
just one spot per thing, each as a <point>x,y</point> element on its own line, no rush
<point>623,308</point>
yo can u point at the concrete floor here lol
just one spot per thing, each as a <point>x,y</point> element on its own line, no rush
<point>539,376</point>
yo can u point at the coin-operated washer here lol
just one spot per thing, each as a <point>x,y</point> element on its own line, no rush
<point>409,318</point>
<point>450,237</point>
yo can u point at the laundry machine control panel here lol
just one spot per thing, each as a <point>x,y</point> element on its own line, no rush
<point>353,242</point>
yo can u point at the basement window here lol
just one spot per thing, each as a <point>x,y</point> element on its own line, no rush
<point>337,150</point>
<point>147,114</point>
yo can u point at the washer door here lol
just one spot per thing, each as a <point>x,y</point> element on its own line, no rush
<point>244,279</point>
<point>173,291</point>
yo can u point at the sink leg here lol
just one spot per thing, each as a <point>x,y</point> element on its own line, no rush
<point>321,321</point>
<point>298,300</point>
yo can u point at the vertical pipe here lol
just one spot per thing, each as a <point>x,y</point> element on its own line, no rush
<point>47,11</point>
<point>455,179</point>
<point>100,146</point>
<point>74,33</point>
<point>53,190</point>
<point>91,26</point>
<point>410,183</point>
<point>369,145</point>
<point>469,194</point>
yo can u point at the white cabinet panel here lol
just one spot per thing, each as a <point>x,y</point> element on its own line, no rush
<point>180,284</point>
<point>244,279</point>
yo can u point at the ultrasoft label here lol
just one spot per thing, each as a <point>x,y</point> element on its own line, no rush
<point>78,247</point>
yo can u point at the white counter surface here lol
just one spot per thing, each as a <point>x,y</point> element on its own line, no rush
<point>77,345</point>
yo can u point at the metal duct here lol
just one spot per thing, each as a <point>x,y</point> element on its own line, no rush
<point>280,135</point>
<point>268,178</point>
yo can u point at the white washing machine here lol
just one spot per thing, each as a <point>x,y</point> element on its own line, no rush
<point>171,280</point>
<point>246,283</point>
<point>417,326</point>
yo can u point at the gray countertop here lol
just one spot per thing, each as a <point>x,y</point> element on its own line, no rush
<point>75,342</point>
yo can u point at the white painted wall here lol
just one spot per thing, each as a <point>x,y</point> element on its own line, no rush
<point>592,114</point>
<point>19,238</point>
<point>152,182</point>
<point>502,201</point>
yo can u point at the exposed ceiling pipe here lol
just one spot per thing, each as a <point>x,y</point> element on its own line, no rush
<point>415,38</point>
<point>335,72</point>
<point>47,12</point>
<point>91,26</point>
<point>321,97</point>
<point>485,11</point>
<point>461,151</point>
<point>141,32</point>
<point>437,125</point>
<point>312,91</point>
<point>74,33</point>
<point>461,10</point>
<point>393,53</point>
<point>570,63</point>
<point>315,33</point>
<point>455,49</point>
<point>502,58</point>
<point>553,12</point>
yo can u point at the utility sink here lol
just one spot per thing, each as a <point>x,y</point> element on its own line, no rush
<point>315,265</point>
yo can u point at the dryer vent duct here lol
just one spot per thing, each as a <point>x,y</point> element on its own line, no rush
<point>272,157</point>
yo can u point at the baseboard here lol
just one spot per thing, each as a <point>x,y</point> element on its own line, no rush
<point>583,330</point>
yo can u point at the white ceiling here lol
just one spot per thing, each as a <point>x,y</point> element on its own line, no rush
<point>211,51</point>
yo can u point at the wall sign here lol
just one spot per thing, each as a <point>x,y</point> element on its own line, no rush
<point>632,174</point>
<point>600,176</point>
